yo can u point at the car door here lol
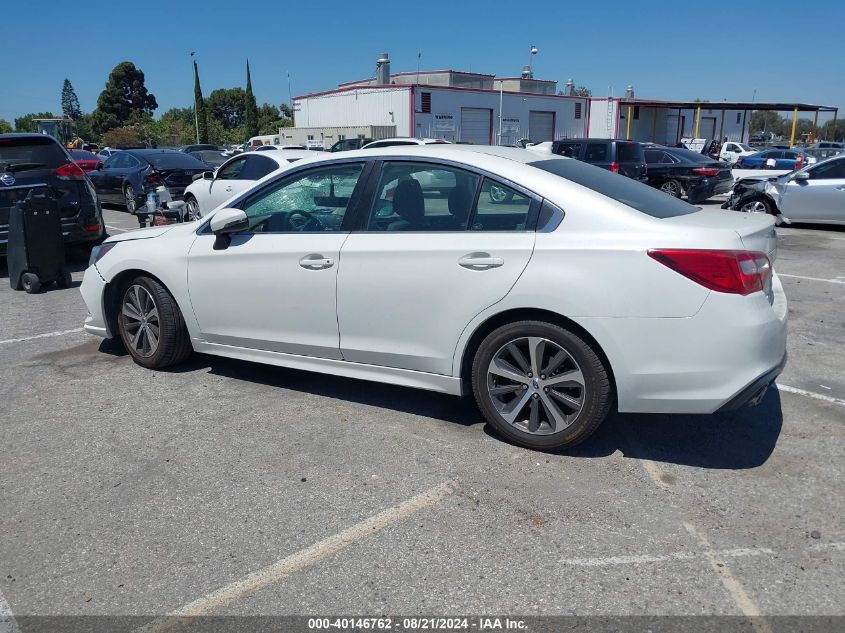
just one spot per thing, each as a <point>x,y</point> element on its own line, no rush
<point>222,186</point>
<point>821,198</point>
<point>274,287</point>
<point>424,264</point>
<point>103,179</point>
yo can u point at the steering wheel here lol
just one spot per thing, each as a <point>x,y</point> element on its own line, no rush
<point>299,220</point>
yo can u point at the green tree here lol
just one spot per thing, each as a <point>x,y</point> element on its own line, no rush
<point>70,102</point>
<point>250,107</point>
<point>25,123</point>
<point>175,127</point>
<point>226,107</point>
<point>583,91</point>
<point>124,136</point>
<point>5,126</point>
<point>85,128</point>
<point>830,133</point>
<point>286,111</point>
<point>766,121</point>
<point>199,103</point>
<point>125,100</point>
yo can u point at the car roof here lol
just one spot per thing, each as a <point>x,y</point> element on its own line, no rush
<point>27,135</point>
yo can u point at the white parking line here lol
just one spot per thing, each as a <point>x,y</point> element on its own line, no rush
<point>301,559</point>
<point>829,281</point>
<point>810,394</point>
<point>116,228</point>
<point>639,559</point>
<point>8,624</point>
<point>742,599</point>
<point>37,336</point>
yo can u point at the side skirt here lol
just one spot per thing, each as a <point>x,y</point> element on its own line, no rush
<point>389,375</point>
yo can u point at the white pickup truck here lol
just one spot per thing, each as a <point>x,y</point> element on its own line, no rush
<point>732,151</point>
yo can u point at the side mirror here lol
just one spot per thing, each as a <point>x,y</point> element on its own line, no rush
<point>99,166</point>
<point>224,223</point>
<point>208,175</point>
<point>801,175</point>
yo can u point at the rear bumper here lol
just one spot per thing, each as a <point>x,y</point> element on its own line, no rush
<point>719,358</point>
<point>753,392</point>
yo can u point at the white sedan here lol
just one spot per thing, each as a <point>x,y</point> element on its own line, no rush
<point>235,176</point>
<point>584,291</point>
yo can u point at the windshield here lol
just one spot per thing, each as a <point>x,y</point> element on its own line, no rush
<point>689,155</point>
<point>643,198</point>
<point>745,148</point>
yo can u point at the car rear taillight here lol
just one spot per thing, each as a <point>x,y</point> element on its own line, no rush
<point>614,167</point>
<point>706,171</point>
<point>70,171</point>
<point>152,180</point>
<point>91,227</point>
<point>734,272</point>
<point>799,162</point>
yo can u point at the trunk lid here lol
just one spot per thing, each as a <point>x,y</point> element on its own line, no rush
<point>756,231</point>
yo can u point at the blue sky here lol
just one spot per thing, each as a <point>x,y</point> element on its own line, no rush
<point>667,50</point>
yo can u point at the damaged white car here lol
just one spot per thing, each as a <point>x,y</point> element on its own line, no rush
<point>815,194</point>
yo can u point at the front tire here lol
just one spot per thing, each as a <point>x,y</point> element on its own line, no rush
<point>151,325</point>
<point>193,209</point>
<point>540,385</point>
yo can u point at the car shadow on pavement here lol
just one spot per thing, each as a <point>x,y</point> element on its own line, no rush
<point>740,439</point>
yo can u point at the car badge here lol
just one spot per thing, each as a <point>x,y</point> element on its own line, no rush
<point>7,179</point>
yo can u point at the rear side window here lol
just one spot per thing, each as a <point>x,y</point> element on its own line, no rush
<point>500,208</point>
<point>653,156</point>
<point>20,154</point>
<point>629,153</point>
<point>636,195</point>
<point>257,167</point>
<point>570,150</point>
<point>173,160</point>
<point>596,152</point>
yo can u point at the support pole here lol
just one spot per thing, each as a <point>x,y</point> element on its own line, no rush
<point>816,126</point>
<point>679,131</point>
<point>833,137</point>
<point>722,128</point>
<point>697,120</point>
<point>654,126</point>
<point>628,125</point>
<point>742,135</point>
<point>794,122</point>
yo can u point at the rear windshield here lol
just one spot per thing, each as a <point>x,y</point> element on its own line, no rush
<point>172,160</point>
<point>629,153</point>
<point>689,155</point>
<point>636,195</point>
<point>31,153</point>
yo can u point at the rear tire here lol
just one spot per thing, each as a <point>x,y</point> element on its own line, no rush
<point>545,412</point>
<point>31,283</point>
<point>673,188</point>
<point>131,200</point>
<point>151,325</point>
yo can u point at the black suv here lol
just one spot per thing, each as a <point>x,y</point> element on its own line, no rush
<point>30,160</point>
<point>621,157</point>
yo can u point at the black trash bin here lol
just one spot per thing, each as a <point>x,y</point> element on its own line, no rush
<point>36,249</point>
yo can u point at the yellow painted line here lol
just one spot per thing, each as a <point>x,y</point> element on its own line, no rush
<point>733,586</point>
<point>300,560</point>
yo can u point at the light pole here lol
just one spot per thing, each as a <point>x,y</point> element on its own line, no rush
<point>196,116</point>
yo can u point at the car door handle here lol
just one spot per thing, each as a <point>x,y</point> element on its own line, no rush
<point>229,188</point>
<point>480,261</point>
<point>315,261</point>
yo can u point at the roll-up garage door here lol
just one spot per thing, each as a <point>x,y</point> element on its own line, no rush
<point>541,126</point>
<point>476,124</point>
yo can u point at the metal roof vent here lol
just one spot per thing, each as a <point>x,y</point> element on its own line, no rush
<point>526,72</point>
<point>629,92</point>
<point>383,69</point>
<point>569,89</point>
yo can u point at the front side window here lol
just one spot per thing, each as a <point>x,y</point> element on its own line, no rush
<point>422,197</point>
<point>570,150</point>
<point>316,200</point>
<point>231,171</point>
<point>257,167</point>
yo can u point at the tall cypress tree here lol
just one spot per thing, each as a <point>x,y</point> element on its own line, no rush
<point>199,104</point>
<point>70,102</point>
<point>250,108</point>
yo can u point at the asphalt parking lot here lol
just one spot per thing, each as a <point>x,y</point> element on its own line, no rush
<point>224,487</point>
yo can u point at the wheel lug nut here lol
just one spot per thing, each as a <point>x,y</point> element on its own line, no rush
<point>530,375</point>
<point>542,376</point>
<point>536,395</point>
<point>546,389</point>
<point>524,387</point>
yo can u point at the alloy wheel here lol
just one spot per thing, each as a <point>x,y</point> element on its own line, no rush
<point>536,385</point>
<point>755,206</point>
<point>671,187</point>
<point>140,321</point>
<point>193,209</point>
<point>130,198</point>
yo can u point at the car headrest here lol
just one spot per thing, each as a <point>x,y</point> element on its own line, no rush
<point>408,201</point>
